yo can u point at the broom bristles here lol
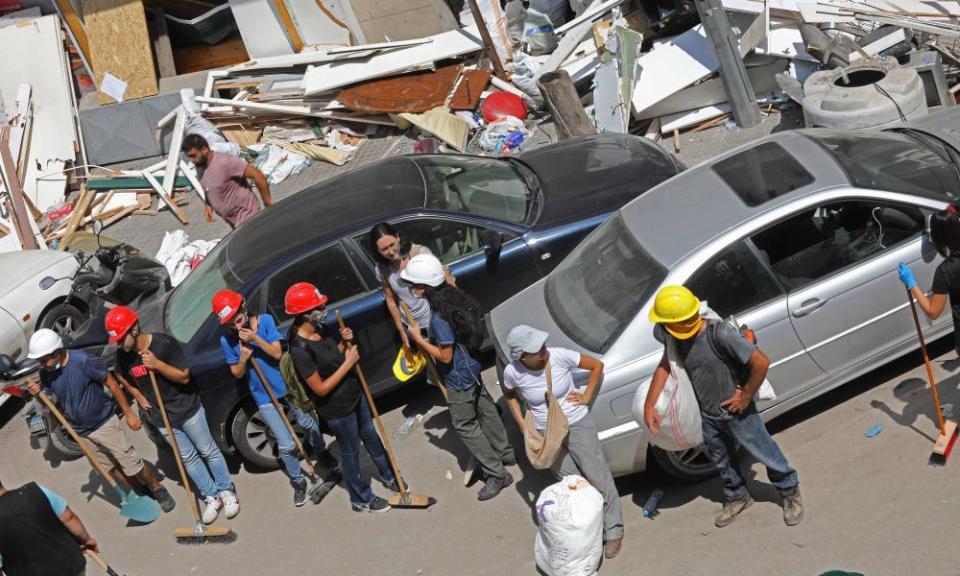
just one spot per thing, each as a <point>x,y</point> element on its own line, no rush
<point>205,535</point>
<point>939,456</point>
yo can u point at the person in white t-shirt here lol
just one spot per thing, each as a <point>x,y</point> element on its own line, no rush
<point>526,377</point>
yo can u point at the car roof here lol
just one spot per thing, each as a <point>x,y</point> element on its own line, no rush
<point>325,211</point>
<point>696,206</point>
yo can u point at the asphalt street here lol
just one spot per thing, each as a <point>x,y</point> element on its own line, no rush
<point>873,505</point>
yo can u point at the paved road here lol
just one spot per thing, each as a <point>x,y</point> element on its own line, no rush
<point>873,505</point>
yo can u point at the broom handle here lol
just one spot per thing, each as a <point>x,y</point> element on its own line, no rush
<point>431,367</point>
<point>376,416</point>
<point>926,361</point>
<point>76,438</point>
<point>100,562</point>
<point>286,421</point>
<point>176,447</point>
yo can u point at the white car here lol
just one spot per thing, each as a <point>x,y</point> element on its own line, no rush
<point>25,306</point>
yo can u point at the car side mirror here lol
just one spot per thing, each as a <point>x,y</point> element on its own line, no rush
<point>492,244</point>
<point>928,252</point>
<point>47,282</point>
<point>6,364</point>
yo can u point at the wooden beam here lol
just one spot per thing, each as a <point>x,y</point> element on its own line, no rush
<point>76,26</point>
<point>166,199</point>
<point>161,44</point>
<point>487,41</point>
<point>173,156</point>
<point>19,213</point>
<point>292,33</point>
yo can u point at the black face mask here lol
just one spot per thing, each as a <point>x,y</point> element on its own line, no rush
<point>318,318</point>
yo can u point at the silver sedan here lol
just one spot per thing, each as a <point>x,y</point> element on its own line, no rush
<point>798,235</point>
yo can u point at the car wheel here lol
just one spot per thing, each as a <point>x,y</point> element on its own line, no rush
<point>61,441</point>
<point>254,440</point>
<point>693,464</point>
<point>64,319</point>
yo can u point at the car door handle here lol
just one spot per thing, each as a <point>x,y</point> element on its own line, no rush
<point>809,306</point>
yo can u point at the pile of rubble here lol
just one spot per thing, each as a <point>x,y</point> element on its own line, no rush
<point>481,87</point>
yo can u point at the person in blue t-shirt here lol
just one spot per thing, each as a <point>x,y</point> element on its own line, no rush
<point>456,332</point>
<point>256,339</point>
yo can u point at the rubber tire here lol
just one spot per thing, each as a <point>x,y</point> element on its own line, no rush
<point>238,436</point>
<point>59,311</point>
<point>61,441</point>
<point>669,463</point>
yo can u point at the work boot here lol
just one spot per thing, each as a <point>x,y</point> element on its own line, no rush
<point>299,493</point>
<point>792,507</point>
<point>211,509</point>
<point>731,510</point>
<point>611,548</point>
<point>164,499</point>
<point>493,486</point>
<point>376,506</point>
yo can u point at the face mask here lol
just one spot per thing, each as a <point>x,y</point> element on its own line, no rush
<point>318,318</point>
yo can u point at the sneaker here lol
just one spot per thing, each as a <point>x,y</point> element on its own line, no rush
<point>611,548</point>
<point>731,510</point>
<point>231,506</point>
<point>211,509</point>
<point>376,506</point>
<point>792,508</point>
<point>394,486</point>
<point>494,486</point>
<point>163,498</point>
<point>300,493</point>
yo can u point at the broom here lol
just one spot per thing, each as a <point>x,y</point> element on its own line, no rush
<point>948,429</point>
<point>405,499</point>
<point>199,534</point>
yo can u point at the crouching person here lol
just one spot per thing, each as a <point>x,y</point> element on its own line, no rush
<point>140,353</point>
<point>712,353</point>
<point>251,339</point>
<point>76,379</point>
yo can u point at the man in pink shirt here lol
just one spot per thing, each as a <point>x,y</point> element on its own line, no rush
<point>224,178</point>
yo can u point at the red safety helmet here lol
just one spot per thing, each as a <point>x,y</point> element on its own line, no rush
<point>303,297</point>
<point>118,322</point>
<point>226,303</point>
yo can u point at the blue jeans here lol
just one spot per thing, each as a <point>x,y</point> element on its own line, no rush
<point>349,431</point>
<point>310,425</point>
<point>199,452</point>
<point>285,445</point>
<point>722,435</point>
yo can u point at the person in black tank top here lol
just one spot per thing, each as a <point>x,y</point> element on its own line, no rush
<point>35,540</point>
<point>945,236</point>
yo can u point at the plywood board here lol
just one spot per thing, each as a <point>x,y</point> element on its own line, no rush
<point>198,58</point>
<point>671,67</point>
<point>330,76</point>
<point>120,45</point>
<point>53,137</point>
<point>416,92</point>
<point>402,19</point>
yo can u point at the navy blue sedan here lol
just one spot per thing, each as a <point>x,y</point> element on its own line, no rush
<point>500,224</point>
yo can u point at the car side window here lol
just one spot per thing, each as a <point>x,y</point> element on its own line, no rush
<point>734,281</point>
<point>328,269</point>
<point>449,240</point>
<point>820,241</point>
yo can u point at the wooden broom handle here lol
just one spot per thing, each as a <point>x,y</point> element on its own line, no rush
<point>176,447</point>
<point>376,415</point>
<point>431,367</point>
<point>279,408</point>
<point>926,362</point>
<point>76,438</point>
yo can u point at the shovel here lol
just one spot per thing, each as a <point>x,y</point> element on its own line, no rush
<point>133,506</point>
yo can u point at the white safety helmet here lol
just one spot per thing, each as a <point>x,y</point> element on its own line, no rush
<point>44,341</point>
<point>423,269</point>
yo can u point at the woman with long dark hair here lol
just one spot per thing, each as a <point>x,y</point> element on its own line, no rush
<point>326,367</point>
<point>945,236</point>
<point>456,332</point>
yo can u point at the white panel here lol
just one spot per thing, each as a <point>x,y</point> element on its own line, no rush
<point>673,66</point>
<point>263,33</point>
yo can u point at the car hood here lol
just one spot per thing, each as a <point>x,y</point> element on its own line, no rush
<point>528,307</point>
<point>19,267</point>
<point>591,175</point>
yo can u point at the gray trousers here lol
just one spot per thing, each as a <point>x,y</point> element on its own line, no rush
<point>477,422</point>
<point>583,456</point>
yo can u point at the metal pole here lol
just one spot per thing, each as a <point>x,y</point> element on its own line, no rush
<point>733,74</point>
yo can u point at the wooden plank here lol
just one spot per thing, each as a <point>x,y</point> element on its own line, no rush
<point>199,58</point>
<point>176,140</point>
<point>194,181</point>
<point>79,211</point>
<point>69,15</point>
<point>166,199</point>
<point>292,33</point>
<point>472,84</point>
<point>120,216</point>
<point>21,216</point>
<point>161,45</point>
<point>120,45</point>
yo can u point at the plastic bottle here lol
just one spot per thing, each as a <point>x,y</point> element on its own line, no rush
<point>404,430</point>
<point>653,502</point>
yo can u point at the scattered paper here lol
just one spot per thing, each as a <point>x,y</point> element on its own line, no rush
<point>113,87</point>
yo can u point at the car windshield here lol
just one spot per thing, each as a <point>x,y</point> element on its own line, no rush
<point>189,304</point>
<point>482,186</point>
<point>599,287</point>
<point>892,161</point>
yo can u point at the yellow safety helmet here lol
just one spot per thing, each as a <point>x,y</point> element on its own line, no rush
<point>678,310</point>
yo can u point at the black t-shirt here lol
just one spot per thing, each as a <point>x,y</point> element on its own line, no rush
<point>325,358</point>
<point>946,280</point>
<point>181,401</point>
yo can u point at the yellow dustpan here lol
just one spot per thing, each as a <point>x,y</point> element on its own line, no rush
<point>408,364</point>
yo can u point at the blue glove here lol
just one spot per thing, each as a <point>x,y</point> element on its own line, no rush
<point>906,276</point>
